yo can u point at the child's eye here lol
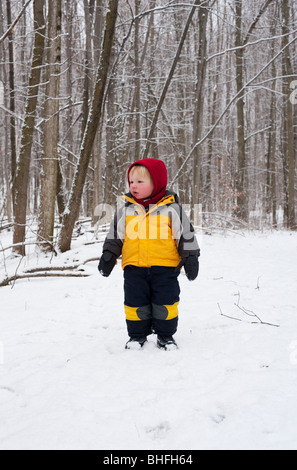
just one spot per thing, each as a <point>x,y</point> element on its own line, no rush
<point>138,182</point>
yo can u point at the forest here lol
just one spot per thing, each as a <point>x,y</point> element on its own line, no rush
<point>89,86</point>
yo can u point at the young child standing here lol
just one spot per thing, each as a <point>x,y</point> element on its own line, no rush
<point>155,239</point>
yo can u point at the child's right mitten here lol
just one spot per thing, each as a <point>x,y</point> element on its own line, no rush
<point>191,265</point>
<point>107,263</point>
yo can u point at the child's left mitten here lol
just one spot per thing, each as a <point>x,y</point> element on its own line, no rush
<point>191,265</point>
<point>107,263</point>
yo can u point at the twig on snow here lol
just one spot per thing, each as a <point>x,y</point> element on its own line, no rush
<point>227,316</point>
<point>249,313</point>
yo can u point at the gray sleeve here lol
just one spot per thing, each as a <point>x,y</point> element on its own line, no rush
<point>184,233</point>
<point>116,235</point>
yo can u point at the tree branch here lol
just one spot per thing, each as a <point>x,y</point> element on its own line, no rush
<point>15,22</point>
<point>256,20</point>
<point>16,277</point>
<point>212,129</point>
<point>70,267</point>
<point>169,78</point>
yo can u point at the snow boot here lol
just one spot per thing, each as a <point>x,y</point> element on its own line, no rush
<point>167,343</point>
<point>136,343</point>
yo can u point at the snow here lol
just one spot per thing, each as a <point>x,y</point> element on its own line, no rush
<point>66,381</point>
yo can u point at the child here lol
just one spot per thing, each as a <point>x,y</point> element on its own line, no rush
<point>156,239</point>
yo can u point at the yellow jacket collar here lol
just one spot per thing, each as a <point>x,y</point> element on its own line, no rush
<point>167,199</point>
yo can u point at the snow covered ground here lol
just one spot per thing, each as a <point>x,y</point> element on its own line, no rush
<point>66,381</point>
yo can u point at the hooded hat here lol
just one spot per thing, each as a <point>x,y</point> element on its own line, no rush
<point>158,172</point>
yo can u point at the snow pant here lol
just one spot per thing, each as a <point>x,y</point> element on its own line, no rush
<point>151,300</point>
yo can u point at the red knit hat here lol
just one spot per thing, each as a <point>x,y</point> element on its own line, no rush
<point>158,172</point>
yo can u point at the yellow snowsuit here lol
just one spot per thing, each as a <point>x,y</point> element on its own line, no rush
<point>151,238</point>
<point>153,243</point>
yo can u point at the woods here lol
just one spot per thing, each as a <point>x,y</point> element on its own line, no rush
<point>89,86</point>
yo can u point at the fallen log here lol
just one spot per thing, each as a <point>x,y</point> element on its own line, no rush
<point>69,267</point>
<point>17,277</point>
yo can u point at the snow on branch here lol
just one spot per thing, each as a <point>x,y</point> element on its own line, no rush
<point>16,277</point>
<point>224,112</point>
<point>248,44</point>
<point>15,22</point>
<point>49,271</point>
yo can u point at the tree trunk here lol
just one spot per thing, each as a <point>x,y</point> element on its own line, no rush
<point>270,202</point>
<point>134,151</point>
<point>97,148</point>
<point>199,105</point>
<point>72,211</point>
<point>5,123</point>
<point>137,83</point>
<point>11,94</point>
<point>181,93</point>
<point>51,129</point>
<point>289,122</point>
<point>110,142</point>
<point>60,193</point>
<point>241,183</point>
<point>23,166</point>
<point>169,78</point>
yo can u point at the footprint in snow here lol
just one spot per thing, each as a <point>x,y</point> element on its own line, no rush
<point>158,432</point>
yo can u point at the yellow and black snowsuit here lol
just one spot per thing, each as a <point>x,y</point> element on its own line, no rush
<point>153,242</point>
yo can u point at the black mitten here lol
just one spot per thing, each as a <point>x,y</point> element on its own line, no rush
<point>107,263</point>
<point>191,265</point>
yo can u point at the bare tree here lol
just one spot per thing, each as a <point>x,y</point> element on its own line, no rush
<point>50,164</point>
<point>241,184</point>
<point>73,207</point>
<point>289,146</point>
<point>21,181</point>
<point>11,94</point>
<point>209,93</point>
<point>199,101</point>
<point>169,78</point>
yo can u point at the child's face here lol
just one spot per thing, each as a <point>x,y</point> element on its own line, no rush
<point>141,187</point>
